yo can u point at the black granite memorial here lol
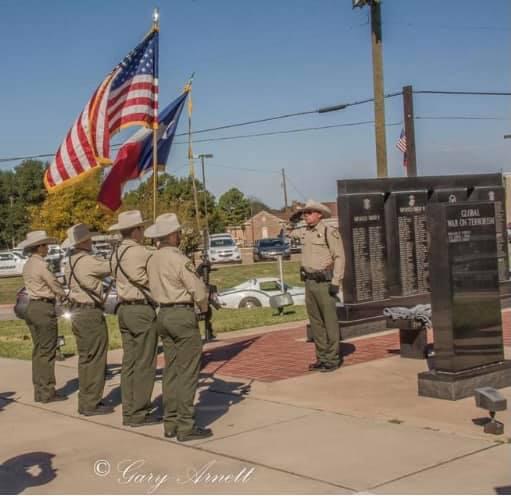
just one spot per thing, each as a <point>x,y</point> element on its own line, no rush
<point>389,267</point>
<point>465,301</point>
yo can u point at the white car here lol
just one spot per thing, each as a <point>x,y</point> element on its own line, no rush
<point>222,248</point>
<point>257,292</point>
<point>11,264</point>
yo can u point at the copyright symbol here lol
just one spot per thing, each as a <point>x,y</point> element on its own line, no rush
<point>102,468</point>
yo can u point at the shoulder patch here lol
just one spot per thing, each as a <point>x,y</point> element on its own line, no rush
<point>190,267</point>
<point>335,233</point>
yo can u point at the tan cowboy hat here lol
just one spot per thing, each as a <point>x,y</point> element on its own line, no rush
<point>78,234</point>
<point>36,238</point>
<point>165,224</point>
<point>128,220</point>
<point>312,206</point>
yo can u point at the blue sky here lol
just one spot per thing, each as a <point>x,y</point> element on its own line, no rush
<point>257,59</point>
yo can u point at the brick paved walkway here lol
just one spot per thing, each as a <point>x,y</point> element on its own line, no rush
<point>284,354</point>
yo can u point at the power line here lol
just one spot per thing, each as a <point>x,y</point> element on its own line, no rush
<point>285,116</point>
<point>295,188</point>
<point>286,131</point>
<point>473,93</point>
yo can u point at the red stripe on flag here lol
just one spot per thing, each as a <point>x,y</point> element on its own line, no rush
<point>75,161</point>
<point>130,118</point>
<point>132,87</point>
<point>85,144</point>
<point>49,177</point>
<point>128,103</point>
<point>60,166</point>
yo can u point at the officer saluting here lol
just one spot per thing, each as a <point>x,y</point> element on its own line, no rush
<point>322,270</point>
<point>137,320</point>
<point>176,287</point>
<point>43,289</point>
<point>84,275</point>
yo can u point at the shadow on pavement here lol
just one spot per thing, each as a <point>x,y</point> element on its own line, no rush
<point>503,490</point>
<point>27,470</point>
<point>215,401</point>
<point>223,354</point>
<point>70,387</point>
<point>347,349</point>
<point>5,399</point>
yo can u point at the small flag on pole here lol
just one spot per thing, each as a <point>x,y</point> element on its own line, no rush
<point>401,146</point>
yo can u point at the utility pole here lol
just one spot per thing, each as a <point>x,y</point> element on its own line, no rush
<point>284,188</point>
<point>411,156</point>
<point>379,102</point>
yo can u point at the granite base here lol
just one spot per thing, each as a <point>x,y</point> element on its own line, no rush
<point>455,386</point>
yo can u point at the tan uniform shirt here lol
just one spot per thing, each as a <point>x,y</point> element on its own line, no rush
<point>172,279</point>
<point>317,254</point>
<point>133,259</point>
<point>39,281</point>
<point>90,271</point>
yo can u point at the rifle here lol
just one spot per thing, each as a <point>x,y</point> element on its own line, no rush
<point>203,271</point>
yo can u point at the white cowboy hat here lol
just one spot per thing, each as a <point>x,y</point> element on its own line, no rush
<point>313,206</point>
<point>128,220</point>
<point>78,234</point>
<point>165,224</point>
<point>37,238</point>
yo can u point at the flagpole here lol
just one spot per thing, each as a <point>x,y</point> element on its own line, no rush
<point>190,159</point>
<point>156,27</point>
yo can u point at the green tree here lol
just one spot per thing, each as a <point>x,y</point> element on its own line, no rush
<point>176,195</point>
<point>72,205</point>
<point>235,208</point>
<point>20,190</point>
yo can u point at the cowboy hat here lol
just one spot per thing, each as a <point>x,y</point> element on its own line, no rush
<point>37,238</point>
<point>312,206</point>
<point>78,234</point>
<point>128,220</point>
<point>165,224</point>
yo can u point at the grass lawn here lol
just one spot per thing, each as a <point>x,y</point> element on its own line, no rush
<point>15,341</point>
<point>229,276</point>
<point>224,277</point>
<point>8,288</point>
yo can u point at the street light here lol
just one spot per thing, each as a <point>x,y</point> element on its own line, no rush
<point>202,156</point>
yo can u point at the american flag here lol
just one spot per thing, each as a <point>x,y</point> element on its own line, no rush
<point>401,146</point>
<point>128,96</point>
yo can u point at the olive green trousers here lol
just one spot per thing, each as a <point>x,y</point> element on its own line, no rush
<point>182,346</point>
<point>90,330</point>
<point>137,324</point>
<point>323,320</point>
<point>42,322</point>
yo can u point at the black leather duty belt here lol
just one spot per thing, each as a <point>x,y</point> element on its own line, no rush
<point>46,300</point>
<point>176,305</point>
<point>134,302</point>
<point>75,304</point>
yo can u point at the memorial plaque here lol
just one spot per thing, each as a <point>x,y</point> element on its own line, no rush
<point>464,285</point>
<point>449,195</point>
<point>407,242</point>
<point>496,194</point>
<point>363,232</point>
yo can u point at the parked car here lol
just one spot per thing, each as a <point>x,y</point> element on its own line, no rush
<point>257,292</point>
<point>270,249</point>
<point>222,248</point>
<point>11,264</point>
<point>22,300</point>
<point>102,250</point>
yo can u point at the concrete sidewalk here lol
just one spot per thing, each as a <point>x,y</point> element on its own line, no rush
<point>360,429</point>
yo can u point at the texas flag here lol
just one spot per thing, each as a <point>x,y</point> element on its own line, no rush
<point>135,157</point>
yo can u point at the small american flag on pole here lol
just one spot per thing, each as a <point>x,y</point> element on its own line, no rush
<point>401,146</point>
<point>128,96</point>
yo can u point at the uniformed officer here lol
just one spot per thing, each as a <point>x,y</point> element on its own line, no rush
<point>176,287</point>
<point>43,290</point>
<point>322,270</point>
<point>84,275</point>
<point>137,320</point>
